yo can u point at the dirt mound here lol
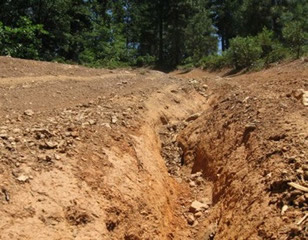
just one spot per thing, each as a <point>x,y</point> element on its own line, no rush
<point>13,67</point>
<point>94,154</point>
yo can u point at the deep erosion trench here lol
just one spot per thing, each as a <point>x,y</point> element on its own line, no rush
<point>145,155</point>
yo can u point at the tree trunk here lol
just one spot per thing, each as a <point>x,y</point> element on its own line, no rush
<point>161,31</point>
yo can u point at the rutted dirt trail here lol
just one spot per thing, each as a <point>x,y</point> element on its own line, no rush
<point>138,154</point>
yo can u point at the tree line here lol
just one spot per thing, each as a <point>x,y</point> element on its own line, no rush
<point>163,33</point>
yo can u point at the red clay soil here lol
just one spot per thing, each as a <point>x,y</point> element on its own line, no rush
<point>139,154</point>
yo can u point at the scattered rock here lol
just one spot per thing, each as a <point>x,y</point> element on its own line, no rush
<point>6,194</point>
<point>164,120</point>
<point>4,135</point>
<point>114,119</point>
<point>305,98</point>
<point>22,178</point>
<point>206,201</point>
<point>51,144</point>
<point>29,112</point>
<point>198,214</point>
<point>107,125</point>
<point>92,122</point>
<point>16,130</point>
<point>197,206</point>
<point>205,87</point>
<point>298,93</point>
<point>192,184</point>
<point>190,219</point>
<point>199,180</point>
<point>284,209</point>
<point>193,117</point>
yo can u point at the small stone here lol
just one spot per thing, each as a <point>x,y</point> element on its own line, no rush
<point>193,117</point>
<point>22,178</point>
<point>298,93</point>
<point>250,127</point>
<point>74,134</point>
<point>197,206</point>
<point>57,157</point>
<point>207,201</point>
<point>51,145</point>
<point>205,87</point>
<point>16,130</point>
<point>190,219</point>
<point>114,119</point>
<point>196,175</point>
<point>199,180</point>
<point>29,112</point>
<point>198,214</point>
<point>44,158</point>
<point>92,122</point>
<point>3,135</point>
<point>107,125</point>
<point>192,184</point>
<point>164,120</point>
<point>305,98</point>
<point>284,209</point>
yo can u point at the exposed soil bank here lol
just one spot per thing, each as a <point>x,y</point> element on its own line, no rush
<point>251,144</point>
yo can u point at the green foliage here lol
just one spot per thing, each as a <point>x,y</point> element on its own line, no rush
<point>295,36</point>
<point>162,32</point>
<point>244,52</point>
<point>201,40</point>
<point>22,41</point>
<point>145,61</point>
<point>214,62</point>
<point>272,49</point>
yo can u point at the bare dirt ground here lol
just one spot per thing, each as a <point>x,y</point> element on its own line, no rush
<point>139,154</point>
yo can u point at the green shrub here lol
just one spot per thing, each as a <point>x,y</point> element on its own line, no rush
<point>243,52</point>
<point>22,41</point>
<point>272,49</point>
<point>295,35</point>
<point>278,53</point>
<point>146,60</point>
<point>214,62</point>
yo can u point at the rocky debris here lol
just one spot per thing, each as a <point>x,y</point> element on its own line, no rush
<point>76,216</point>
<point>305,98</point>
<point>250,127</point>
<point>284,209</point>
<point>114,119</point>
<point>197,206</point>
<point>6,194</point>
<point>198,214</point>
<point>29,112</point>
<point>164,120</point>
<point>207,201</point>
<point>193,81</point>
<point>23,178</point>
<point>193,117</point>
<point>190,219</point>
<point>298,93</point>
<point>196,179</point>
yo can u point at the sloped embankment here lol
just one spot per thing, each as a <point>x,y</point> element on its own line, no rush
<point>252,146</point>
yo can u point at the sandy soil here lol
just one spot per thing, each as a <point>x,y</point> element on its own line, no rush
<point>139,154</point>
